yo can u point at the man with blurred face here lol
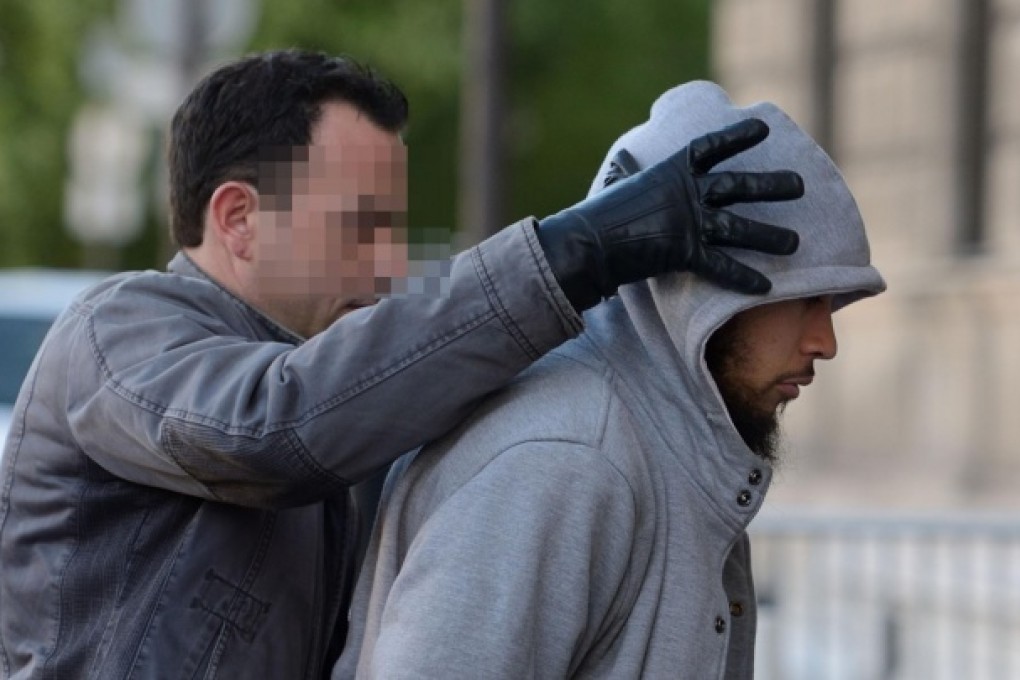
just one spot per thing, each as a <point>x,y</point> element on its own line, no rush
<point>329,237</point>
<point>589,520</point>
<point>177,481</point>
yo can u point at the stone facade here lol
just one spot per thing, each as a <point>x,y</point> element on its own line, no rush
<point>922,407</point>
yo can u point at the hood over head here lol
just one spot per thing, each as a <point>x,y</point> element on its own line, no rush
<point>833,256</point>
<point>675,314</point>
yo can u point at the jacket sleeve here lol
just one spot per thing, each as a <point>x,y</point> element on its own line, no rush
<point>172,396</point>
<point>520,573</point>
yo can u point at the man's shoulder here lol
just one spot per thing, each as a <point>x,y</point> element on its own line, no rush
<point>560,405</point>
<point>150,291</point>
<point>183,304</point>
<point>566,396</point>
<point>134,316</point>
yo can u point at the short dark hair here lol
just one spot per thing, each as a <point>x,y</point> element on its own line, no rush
<point>256,106</point>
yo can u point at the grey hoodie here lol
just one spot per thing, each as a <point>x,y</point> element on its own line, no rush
<point>589,520</point>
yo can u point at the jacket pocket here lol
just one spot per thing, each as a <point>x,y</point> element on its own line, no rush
<point>240,610</point>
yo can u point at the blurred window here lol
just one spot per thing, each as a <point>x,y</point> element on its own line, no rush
<point>20,338</point>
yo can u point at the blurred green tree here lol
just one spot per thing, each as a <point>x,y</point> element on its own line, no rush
<point>416,43</point>
<point>39,94</point>
<point>580,73</point>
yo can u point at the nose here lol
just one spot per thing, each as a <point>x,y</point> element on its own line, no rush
<point>819,340</point>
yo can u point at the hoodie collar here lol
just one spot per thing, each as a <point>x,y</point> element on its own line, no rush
<point>670,318</point>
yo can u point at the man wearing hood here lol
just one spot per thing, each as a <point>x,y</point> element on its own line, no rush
<point>590,519</point>
<point>175,490</point>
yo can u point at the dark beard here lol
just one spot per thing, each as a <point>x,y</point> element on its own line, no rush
<point>759,429</point>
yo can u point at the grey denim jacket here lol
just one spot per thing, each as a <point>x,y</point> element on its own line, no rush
<point>175,486</point>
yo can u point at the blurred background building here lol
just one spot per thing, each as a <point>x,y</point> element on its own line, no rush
<point>891,547</point>
<point>917,102</point>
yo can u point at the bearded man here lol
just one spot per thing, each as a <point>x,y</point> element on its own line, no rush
<point>589,521</point>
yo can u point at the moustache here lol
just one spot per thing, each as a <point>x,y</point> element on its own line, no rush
<point>801,377</point>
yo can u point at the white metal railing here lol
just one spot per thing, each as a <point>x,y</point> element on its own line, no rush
<point>872,597</point>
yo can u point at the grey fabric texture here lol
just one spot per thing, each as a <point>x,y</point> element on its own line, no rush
<point>589,521</point>
<point>174,494</point>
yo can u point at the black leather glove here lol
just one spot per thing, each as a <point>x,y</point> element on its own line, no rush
<point>668,218</point>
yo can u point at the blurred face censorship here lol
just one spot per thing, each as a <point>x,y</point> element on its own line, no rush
<point>332,215</point>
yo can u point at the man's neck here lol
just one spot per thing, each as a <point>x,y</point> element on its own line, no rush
<point>302,316</point>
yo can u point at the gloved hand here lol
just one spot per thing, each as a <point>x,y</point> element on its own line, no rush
<point>668,218</point>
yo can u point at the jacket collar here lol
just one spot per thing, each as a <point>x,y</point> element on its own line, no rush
<point>183,265</point>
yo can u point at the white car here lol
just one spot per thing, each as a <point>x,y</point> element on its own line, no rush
<point>30,299</point>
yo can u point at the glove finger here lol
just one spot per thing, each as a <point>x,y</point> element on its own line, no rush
<point>724,271</point>
<point>726,229</point>
<point>707,151</point>
<point>725,188</point>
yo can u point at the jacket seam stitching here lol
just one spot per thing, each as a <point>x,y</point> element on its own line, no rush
<point>63,575</point>
<point>294,446</point>
<point>396,367</point>
<point>489,287</point>
<point>363,386</point>
<point>567,313</point>
<point>143,638</point>
<point>5,508</point>
<point>302,453</point>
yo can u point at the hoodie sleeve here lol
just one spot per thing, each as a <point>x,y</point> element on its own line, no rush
<point>519,573</point>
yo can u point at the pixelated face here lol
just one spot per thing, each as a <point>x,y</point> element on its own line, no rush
<point>761,358</point>
<point>332,221</point>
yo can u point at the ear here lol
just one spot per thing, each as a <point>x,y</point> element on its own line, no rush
<point>232,215</point>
